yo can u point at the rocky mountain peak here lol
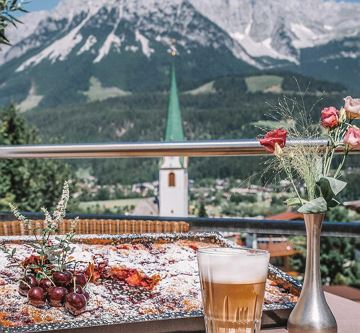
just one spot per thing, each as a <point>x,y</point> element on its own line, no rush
<point>213,38</point>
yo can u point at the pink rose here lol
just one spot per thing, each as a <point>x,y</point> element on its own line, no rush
<point>330,117</point>
<point>352,137</point>
<point>352,107</point>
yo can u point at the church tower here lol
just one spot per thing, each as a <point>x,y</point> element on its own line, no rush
<point>173,177</point>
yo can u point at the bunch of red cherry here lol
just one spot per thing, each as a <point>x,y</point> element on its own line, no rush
<point>61,289</point>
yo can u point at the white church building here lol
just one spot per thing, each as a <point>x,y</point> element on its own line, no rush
<point>173,175</point>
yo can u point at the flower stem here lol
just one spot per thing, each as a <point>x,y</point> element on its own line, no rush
<point>289,175</point>
<point>342,162</point>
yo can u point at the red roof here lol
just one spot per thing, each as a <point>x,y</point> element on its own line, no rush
<point>278,249</point>
<point>354,205</point>
<point>286,216</point>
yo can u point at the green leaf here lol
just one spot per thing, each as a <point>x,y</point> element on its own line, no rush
<point>13,19</point>
<point>293,202</point>
<point>330,188</point>
<point>333,203</point>
<point>331,184</point>
<point>318,205</point>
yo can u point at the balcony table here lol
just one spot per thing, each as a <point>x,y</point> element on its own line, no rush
<point>347,314</point>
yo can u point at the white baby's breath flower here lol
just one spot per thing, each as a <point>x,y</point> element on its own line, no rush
<point>26,222</point>
<point>60,210</point>
<point>48,222</point>
<point>73,224</point>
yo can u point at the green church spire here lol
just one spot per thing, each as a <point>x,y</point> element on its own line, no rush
<point>174,127</point>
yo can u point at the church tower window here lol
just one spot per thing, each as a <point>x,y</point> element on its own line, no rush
<point>172,182</point>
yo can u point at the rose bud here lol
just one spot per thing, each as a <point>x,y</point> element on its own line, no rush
<point>278,152</point>
<point>37,296</point>
<point>56,296</point>
<point>75,303</point>
<point>330,117</point>
<point>352,137</point>
<point>342,116</point>
<point>274,137</point>
<point>352,107</point>
<point>26,283</point>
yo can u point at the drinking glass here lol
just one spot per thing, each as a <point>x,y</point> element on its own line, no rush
<point>233,287</point>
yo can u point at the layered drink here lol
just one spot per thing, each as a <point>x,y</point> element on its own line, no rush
<point>233,286</point>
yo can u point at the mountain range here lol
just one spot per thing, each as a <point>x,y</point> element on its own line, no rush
<point>85,49</point>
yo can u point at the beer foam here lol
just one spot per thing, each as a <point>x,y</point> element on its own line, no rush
<point>233,266</point>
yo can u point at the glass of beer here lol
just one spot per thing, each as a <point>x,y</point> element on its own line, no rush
<point>233,287</point>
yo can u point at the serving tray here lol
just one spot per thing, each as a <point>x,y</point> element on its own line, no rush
<point>274,315</point>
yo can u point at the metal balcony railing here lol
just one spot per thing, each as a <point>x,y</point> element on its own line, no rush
<point>189,149</point>
<point>149,149</point>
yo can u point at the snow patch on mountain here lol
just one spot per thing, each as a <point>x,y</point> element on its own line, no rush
<point>341,55</point>
<point>260,49</point>
<point>305,36</point>
<point>145,44</point>
<point>59,50</point>
<point>278,28</point>
<point>90,42</point>
<point>249,29</point>
<point>353,55</point>
<point>111,41</point>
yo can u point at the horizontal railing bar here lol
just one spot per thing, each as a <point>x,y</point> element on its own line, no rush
<point>335,229</point>
<point>240,225</point>
<point>148,149</point>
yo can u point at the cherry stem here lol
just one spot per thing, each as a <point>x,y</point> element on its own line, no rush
<point>25,283</point>
<point>48,277</point>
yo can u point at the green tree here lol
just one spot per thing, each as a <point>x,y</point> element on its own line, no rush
<point>337,255</point>
<point>29,183</point>
<point>202,210</point>
<point>7,9</point>
<point>103,193</point>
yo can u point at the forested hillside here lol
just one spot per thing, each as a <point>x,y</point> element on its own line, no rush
<point>229,108</point>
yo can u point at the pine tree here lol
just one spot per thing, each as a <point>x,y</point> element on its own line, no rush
<point>7,10</point>
<point>337,254</point>
<point>202,210</point>
<point>29,183</point>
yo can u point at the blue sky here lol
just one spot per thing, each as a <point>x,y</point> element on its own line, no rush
<point>41,4</point>
<point>46,4</point>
